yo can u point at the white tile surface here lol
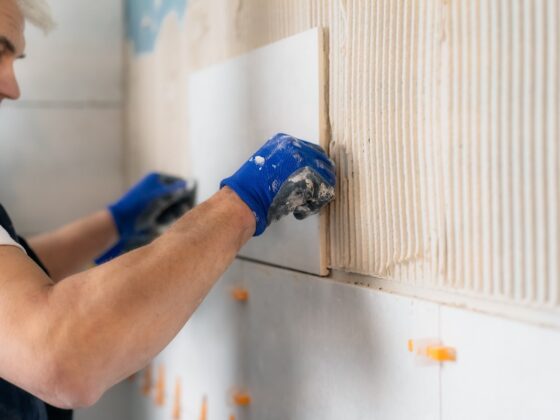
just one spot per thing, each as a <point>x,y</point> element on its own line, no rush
<point>305,348</point>
<point>314,349</point>
<point>504,370</point>
<point>234,107</point>
<point>81,60</point>
<point>204,356</point>
<point>58,164</point>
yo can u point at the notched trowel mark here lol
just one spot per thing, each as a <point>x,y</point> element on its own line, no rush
<point>303,194</point>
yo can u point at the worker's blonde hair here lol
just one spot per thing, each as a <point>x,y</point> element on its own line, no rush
<point>38,13</point>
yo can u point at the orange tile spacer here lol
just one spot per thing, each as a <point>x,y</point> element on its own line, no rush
<point>160,387</point>
<point>147,380</point>
<point>240,294</point>
<point>410,345</point>
<point>177,401</point>
<point>429,350</point>
<point>231,417</point>
<point>204,409</point>
<point>441,353</point>
<point>240,398</point>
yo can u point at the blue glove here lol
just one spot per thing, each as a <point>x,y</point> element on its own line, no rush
<point>286,175</point>
<point>152,204</point>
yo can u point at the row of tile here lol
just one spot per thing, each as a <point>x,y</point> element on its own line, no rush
<point>308,348</point>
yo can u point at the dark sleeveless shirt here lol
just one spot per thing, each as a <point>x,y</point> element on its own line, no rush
<point>15,403</point>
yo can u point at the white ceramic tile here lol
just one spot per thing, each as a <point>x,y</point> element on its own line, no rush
<point>315,349</point>
<point>56,165</point>
<point>234,107</point>
<point>204,356</point>
<point>81,60</point>
<point>304,348</point>
<point>504,370</point>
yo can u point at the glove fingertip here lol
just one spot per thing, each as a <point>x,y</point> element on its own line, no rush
<point>327,176</point>
<point>175,190</point>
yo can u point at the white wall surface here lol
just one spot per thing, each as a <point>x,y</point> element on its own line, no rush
<point>61,145</point>
<point>505,370</point>
<point>309,348</point>
<point>303,347</point>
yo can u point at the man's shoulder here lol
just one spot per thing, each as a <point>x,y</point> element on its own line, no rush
<point>6,223</point>
<point>8,235</point>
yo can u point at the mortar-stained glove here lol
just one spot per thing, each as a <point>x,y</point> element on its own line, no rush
<point>146,209</point>
<point>287,175</point>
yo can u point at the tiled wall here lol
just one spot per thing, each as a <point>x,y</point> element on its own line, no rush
<point>305,348</point>
<point>445,115</point>
<point>61,144</point>
<point>444,119</point>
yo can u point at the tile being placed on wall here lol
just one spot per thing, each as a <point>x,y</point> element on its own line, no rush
<point>56,165</point>
<point>235,106</point>
<point>504,369</point>
<point>81,60</point>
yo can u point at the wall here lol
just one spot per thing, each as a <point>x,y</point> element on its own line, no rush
<point>61,148</point>
<point>156,88</point>
<point>444,122</point>
<point>443,116</point>
<point>306,348</point>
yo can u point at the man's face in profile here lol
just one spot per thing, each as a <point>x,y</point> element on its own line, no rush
<point>12,46</point>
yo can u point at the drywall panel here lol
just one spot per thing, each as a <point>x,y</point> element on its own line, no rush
<point>58,164</point>
<point>234,107</point>
<point>504,369</point>
<point>303,348</point>
<point>81,60</point>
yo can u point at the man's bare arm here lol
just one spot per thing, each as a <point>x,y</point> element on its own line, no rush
<point>71,248</point>
<point>71,341</point>
<point>137,217</point>
<point>68,342</point>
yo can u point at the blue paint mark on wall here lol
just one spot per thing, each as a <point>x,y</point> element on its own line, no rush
<point>144,19</point>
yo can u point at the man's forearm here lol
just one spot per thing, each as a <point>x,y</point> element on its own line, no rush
<point>133,306</point>
<point>69,249</point>
<point>75,338</point>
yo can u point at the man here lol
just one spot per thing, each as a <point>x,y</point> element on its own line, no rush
<point>68,337</point>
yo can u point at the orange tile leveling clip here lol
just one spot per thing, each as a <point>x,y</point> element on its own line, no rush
<point>240,294</point>
<point>432,349</point>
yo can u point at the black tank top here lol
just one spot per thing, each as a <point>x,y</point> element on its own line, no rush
<point>15,403</point>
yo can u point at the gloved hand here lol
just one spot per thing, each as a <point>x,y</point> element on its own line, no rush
<point>152,204</point>
<point>286,175</point>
